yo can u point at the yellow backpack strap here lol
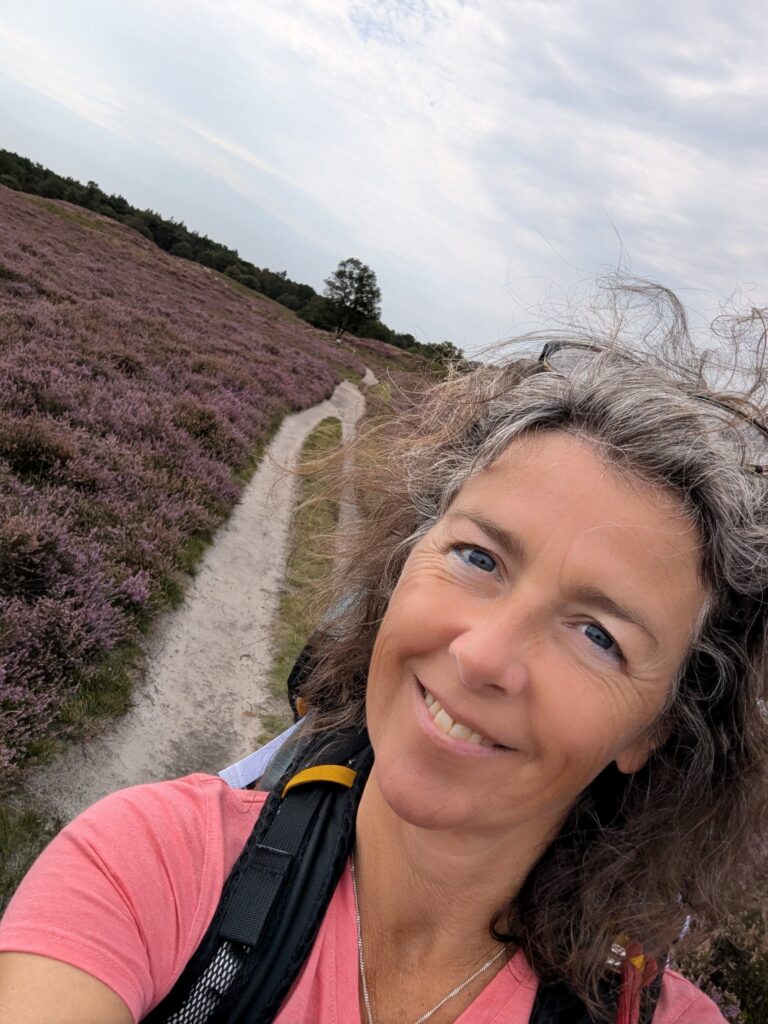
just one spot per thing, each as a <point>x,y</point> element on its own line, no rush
<point>337,773</point>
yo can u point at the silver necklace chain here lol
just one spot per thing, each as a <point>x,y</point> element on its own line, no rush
<point>361,961</point>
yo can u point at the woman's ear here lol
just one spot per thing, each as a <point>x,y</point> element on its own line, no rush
<point>636,754</point>
<point>632,758</point>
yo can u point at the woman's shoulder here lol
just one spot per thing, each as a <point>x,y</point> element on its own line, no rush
<point>682,1002</point>
<point>198,809</point>
<point>126,890</point>
<point>189,792</point>
<point>190,827</point>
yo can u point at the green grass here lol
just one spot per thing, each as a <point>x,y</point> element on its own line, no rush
<point>245,472</point>
<point>281,311</point>
<point>379,398</point>
<point>346,374</point>
<point>169,591</point>
<point>307,563</point>
<point>66,213</point>
<point>107,694</point>
<point>23,834</point>
<point>192,552</point>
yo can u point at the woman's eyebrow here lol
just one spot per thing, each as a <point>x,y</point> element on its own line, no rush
<point>597,598</point>
<point>509,543</point>
<point>512,546</point>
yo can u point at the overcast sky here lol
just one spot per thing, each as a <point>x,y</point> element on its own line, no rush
<point>481,155</point>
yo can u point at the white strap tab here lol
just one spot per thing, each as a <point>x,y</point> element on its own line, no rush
<point>242,773</point>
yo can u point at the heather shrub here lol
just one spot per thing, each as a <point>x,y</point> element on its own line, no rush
<point>203,422</point>
<point>56,620</point>
<point>135,589</point>
<point>34,448</point>
<point>733,968</point>
<point>136,390</point>
<point>31,559</point>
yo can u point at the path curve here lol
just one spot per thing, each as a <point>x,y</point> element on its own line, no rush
<point>205,684</point>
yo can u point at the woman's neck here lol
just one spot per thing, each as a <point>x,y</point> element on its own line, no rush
<point>437,889</point>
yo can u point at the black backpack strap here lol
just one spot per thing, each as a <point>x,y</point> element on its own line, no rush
<point>275,898</point>
<point>557,1004</point>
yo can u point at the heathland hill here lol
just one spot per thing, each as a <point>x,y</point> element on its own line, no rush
<point>136,391</point>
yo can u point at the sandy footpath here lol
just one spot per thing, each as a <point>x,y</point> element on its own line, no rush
<point>204,687</point>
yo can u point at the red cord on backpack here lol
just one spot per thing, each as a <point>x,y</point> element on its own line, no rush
<point>637,972</point>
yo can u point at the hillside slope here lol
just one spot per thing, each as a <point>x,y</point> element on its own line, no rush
<point>136,392</point>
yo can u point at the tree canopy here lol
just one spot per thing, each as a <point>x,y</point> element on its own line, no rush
<point>354,295</point>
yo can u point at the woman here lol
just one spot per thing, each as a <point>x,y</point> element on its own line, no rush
<point>558,646</point>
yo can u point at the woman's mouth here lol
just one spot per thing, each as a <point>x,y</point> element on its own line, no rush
<point>451,727</point>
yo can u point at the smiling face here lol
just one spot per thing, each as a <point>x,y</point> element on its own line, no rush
<point>532,639</point>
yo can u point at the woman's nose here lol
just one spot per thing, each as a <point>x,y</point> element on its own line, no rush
<point>491,652</point>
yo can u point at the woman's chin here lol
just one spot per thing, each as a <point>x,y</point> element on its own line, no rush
<point>431,819</point>
<point>424,806</point>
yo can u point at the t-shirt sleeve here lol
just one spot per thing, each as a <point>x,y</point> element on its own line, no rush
<point>682,1003</point>
<point>126,891</point>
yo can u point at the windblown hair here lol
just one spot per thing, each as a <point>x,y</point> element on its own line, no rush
<point>687,834</point>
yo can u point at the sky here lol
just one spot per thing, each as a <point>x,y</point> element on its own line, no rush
<point>487,158</point>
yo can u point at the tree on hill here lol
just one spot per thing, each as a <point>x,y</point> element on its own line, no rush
<point>354,295</point>
<point>351,301</point>
<point>319,312</point>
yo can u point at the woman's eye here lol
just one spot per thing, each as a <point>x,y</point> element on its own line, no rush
<point>598,636</point>
<point>476,557</point>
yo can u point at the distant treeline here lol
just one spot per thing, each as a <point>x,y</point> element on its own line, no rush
<point>17,172</point>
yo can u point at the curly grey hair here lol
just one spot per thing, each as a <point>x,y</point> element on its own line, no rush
<point>685,834</point>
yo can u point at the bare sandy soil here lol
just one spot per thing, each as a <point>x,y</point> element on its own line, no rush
<point>204,689</point>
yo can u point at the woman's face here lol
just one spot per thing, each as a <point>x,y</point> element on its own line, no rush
<point>546,614</point>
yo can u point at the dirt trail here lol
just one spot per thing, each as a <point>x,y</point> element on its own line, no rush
<point>204,688</point>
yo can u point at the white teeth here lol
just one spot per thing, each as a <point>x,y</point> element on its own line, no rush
<point>446,724</point>
<point>461,732</point>
<point>444,721</point>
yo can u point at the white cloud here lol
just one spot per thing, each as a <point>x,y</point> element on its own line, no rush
<point>28,59</point>
<point>457,145</point>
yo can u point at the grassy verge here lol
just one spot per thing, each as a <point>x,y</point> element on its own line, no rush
<point>379,399</point>
<point>23,834</point>
<point>66,213</point>
<point>296,615</point>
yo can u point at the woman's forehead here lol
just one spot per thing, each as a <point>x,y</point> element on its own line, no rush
<point>566,466</point>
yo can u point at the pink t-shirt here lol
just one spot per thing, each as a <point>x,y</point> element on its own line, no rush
<point>127,890</point>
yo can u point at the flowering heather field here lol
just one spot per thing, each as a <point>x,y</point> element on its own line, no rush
<point>133,388</point>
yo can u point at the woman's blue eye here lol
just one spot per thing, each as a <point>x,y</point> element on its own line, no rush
<point>599,637</point>
<point>477,557</point>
